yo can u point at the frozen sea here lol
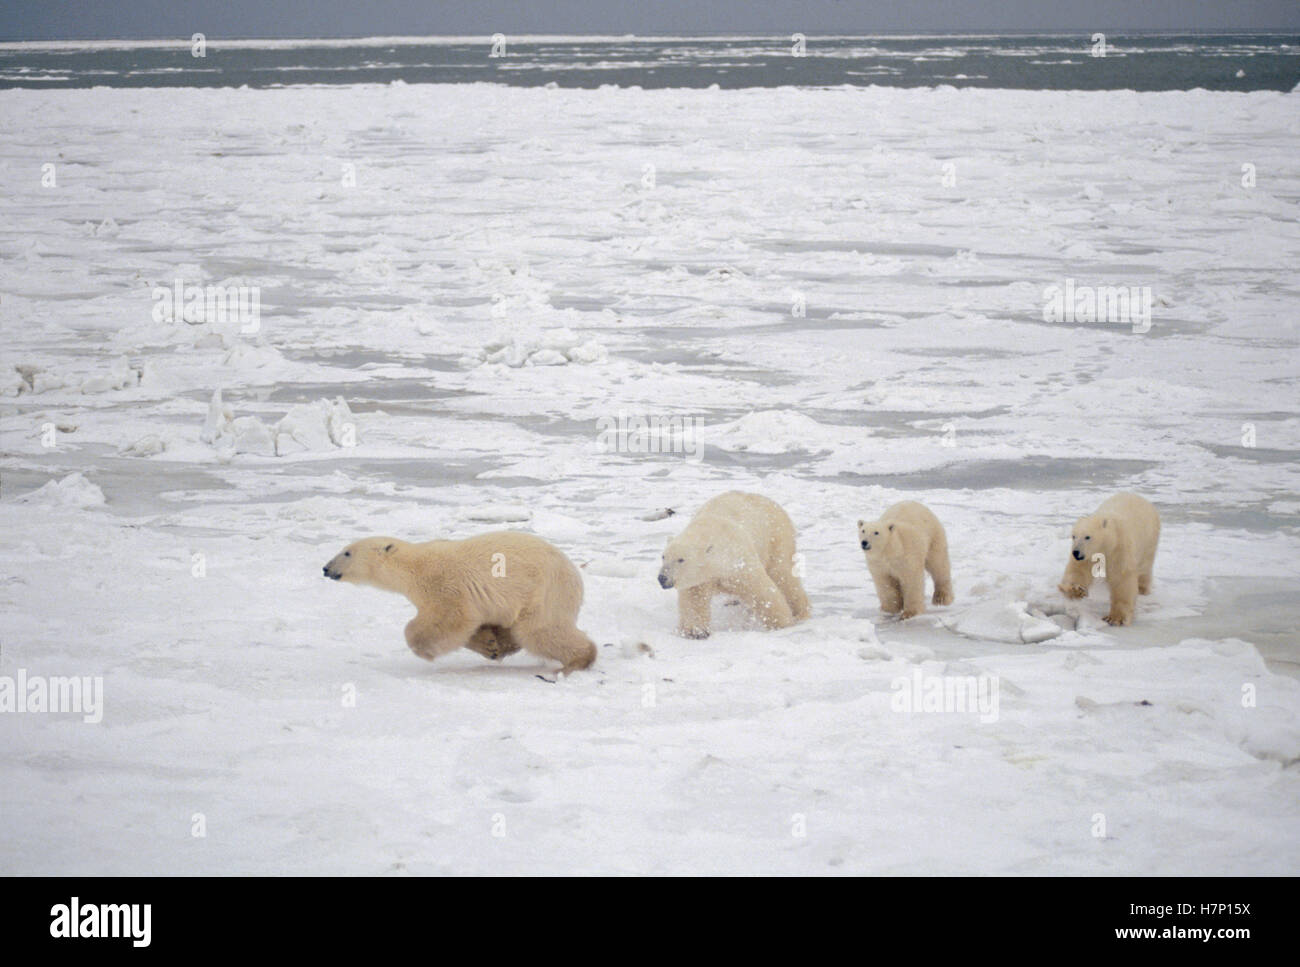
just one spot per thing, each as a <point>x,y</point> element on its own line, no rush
<point>1069,61</point>
<point>839,293</point>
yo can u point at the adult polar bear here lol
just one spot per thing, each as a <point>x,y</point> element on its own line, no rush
<point>739,544</point>
<point>495,593</point>
<point>1118,543</point>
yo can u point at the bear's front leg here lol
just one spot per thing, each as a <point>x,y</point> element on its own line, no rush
<point>693,611</point>
<point>431,637</point>
<point>913,583</point>
<point>1123,600</point>
<point>1077,579</point>
<point>888,591</point>
<point>493,642</point>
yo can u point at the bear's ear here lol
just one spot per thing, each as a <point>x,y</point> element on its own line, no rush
<point>1104,521</point>
<point>861,522</point>
<point>389,548</point>
<point>891,527</point>
<point>709,549</point>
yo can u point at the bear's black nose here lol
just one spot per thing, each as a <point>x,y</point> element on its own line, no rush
<point>1078,555</point>
<point>866,545</point>
<point>663,580</point>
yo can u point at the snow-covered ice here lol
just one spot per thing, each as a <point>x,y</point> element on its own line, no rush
<point>459,286</point>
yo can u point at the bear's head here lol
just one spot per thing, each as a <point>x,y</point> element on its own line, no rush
<point>363,562</point>
<point>876,536</point>
<point>691,559</point>
<point>1091,535</point>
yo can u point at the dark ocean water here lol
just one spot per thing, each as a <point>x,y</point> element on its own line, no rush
<point>1065,62</point>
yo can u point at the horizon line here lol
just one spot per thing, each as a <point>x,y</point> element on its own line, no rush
<point>413,39</point>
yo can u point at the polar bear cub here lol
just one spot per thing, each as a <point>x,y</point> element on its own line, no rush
<point>494,594</point>
<point>1117,543</point>
<point>739,544</point>
<point>900,547</point>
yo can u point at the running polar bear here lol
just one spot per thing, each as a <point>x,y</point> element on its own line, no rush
<point>494,594</point>
<point>900,547</point>
<point>1117,543</point>
<point>739,544</point>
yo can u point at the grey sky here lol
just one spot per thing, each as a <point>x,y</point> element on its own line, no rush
<point>79,19</point>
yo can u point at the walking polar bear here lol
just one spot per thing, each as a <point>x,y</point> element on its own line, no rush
<point>494,594</point>
<point>740,544</point>
<point>900,547</point>
<point>1117,543</point>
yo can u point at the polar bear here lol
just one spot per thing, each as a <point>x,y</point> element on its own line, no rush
<point>739,544</point>
<point>900,547</point>
<point>495,593</point>
<point>1118,543</point>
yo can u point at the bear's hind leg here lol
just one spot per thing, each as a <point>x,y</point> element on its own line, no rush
<point>1145,572</point>
<point>791,589</point>
<point>767,602</point>
<point>562,643</point>
<point>936,562</point>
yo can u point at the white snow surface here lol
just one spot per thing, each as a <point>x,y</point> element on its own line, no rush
<point>502,282</point>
